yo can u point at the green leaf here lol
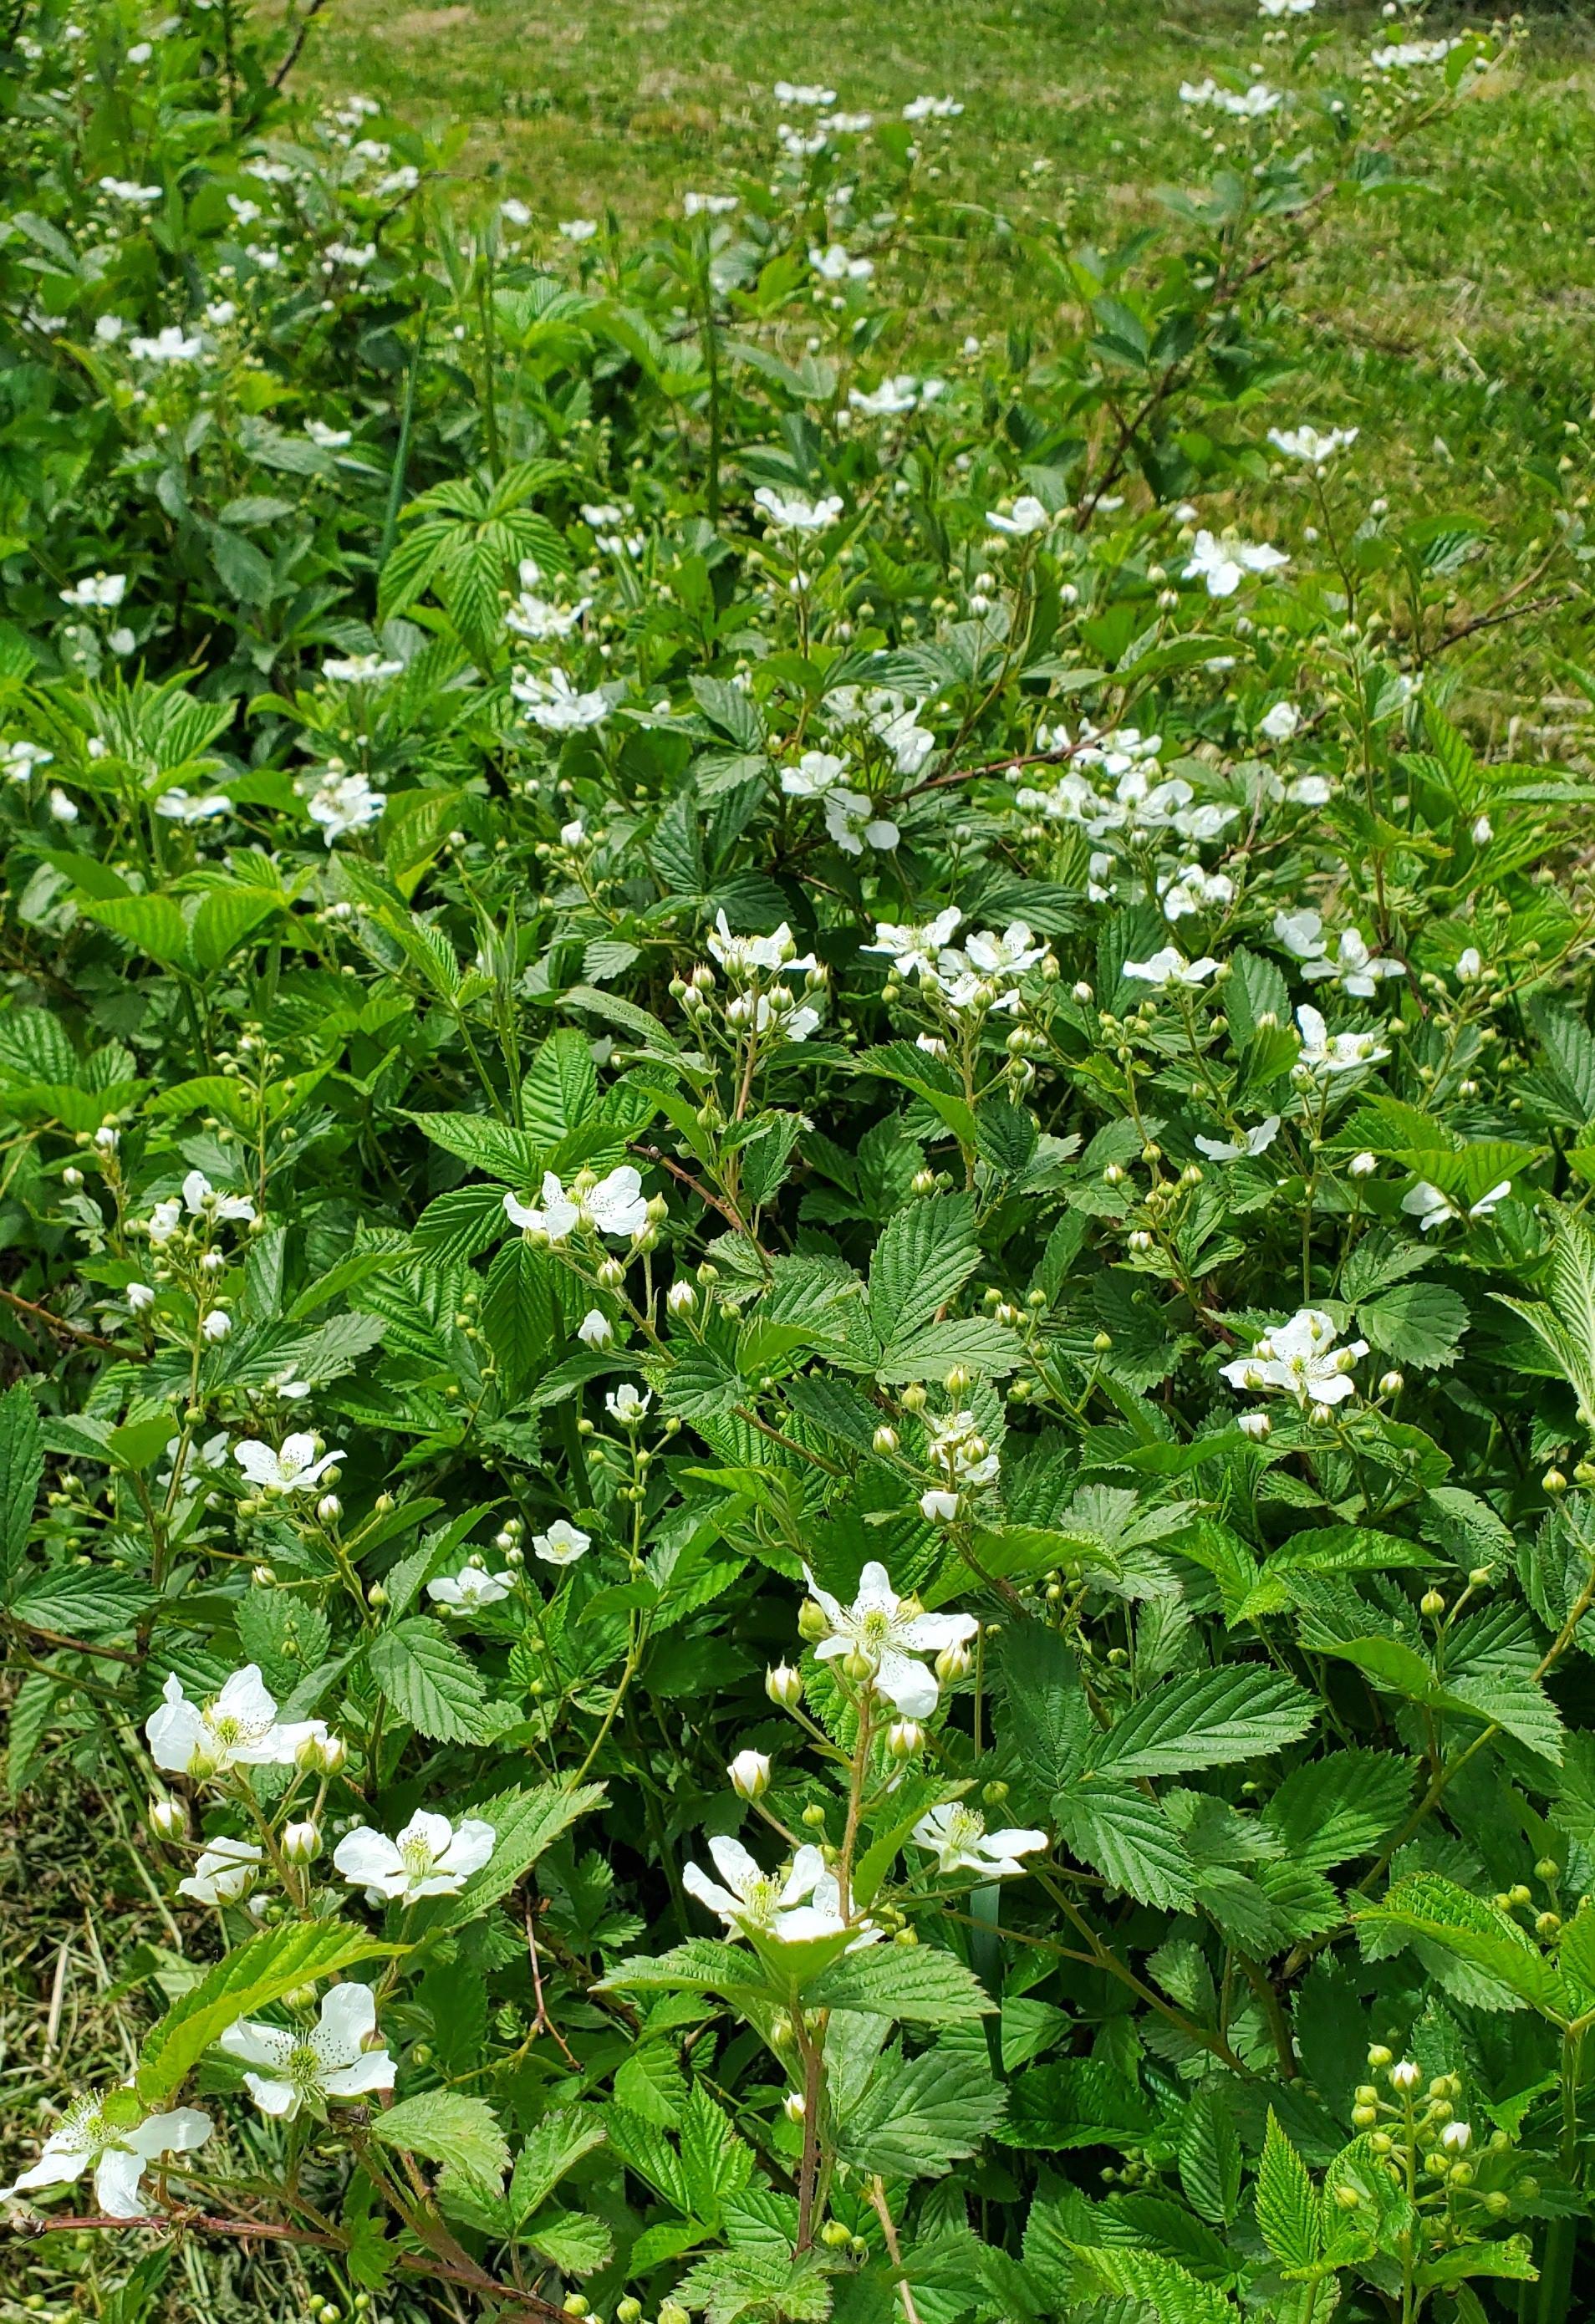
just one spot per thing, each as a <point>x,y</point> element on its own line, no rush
<point>505,1154</point>
<point>1242,1711</point>
<point>1129,1840</point>
<point>448,2126</point>
<point>1332,1809</point>
<point>1289,2217</point>
<point>926,1254</point>
<point>916,1985</point>
<point>976,1342</point>
<point>22,1471</point>
<point>1428,1906</point>
<point>261,1971</point>
<point>429,1681</point>
<point>1051,1719</point>
<point>1420,1324</point>
<point>916,2117</point>
<point>560,1092</point>
<point>1170,2292</point>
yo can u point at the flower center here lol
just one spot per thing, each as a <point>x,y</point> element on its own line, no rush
<point>419,1859</point>
<point>965,1827</point>
<point>874,1632</point>
<point>304,2067</point>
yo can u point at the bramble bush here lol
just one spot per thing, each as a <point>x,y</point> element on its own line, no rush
<point>797,1272</point>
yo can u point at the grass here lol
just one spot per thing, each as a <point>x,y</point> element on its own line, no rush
<point>1452,320</point>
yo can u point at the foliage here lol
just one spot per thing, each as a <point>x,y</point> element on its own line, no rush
<point>768,1114</point>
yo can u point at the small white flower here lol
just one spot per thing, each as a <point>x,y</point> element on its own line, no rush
<point>850,820</point>
<point>1301,1359</point>
<point>362,669</point>
<point>431,1857</point>
<point>616,1206</point>
<point>171,345</point>
<point>890,1632</point>
<point>562,1544</point>
<point>915,948</point>
<point>342,803</point>
<point>772,1904</point>
<point>556,704</point>
<point>791,512</point>
<point>1028,516</point>
<point>469,1590</point>
<point>89,2136</point>
<point>1251,1142</point>
<point>1406,2075</point>
<point>1483,832</point>
<point>1169,968</point>
<point>1323,1054</point>
<point>832,264</point>
<point>745,957</point>
<point>595,1329</point>
<point>1317,448</point>
<point>1469,965</point>
<point>140,1298</point>
<point>217,1325</point>
<point>98,592</point>
<point>938,1505</point>
<point>1431,1209</point>
<point>1223,564</point>
<point>1280,723</point>
<point>749,1774</point>
<point>708,205</point>
<point>330,2060</point>
<point>239,1727</point>
<point>201,1199</point>
<point>224,1871</point>
<point>787,92</point>
<point>178,806</point>
<point>816,773</point>
<point>628,1404</point>
<point>63,806</point>
<point>957,1837</point>
<point>329,439</point>
<point>578,229</point>
<point>294,1467</point>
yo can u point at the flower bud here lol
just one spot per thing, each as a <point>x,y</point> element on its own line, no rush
<point>749,1775</point>
<point>857,1666</point>
<point>813,1621</point>
<point>1391,1384</point>
<point>1362,1166</point>
<point>1404,2077</point>
<point>1432,1603</point>
<point>680,1299</point>
<point>794,2106</point>
<point>956,1380</point>
<point>953,1663</point>
<point>611,1274</point>
<point>301,1843</point>
<point>784,1685</point>
<point>835,2234</point>
<point>1553,1481</point>
<point>72,1176</point>
<point>905,1737</point>
<point>914,1397</point>
<point>168,1819</point>
<point>322,1755</point>
<point>1255,1425</point>
<point>329,1507</point>
<point>217,1325</point>
<point>885,1439</point>
<point>1379,2056</point>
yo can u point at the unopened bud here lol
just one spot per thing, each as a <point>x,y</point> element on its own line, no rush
<point>885,1439</point>
<point>783,1684</point>
<point>301,1843</point>
<point>953,1662</point>
<point>905,1737</point>
<point>168,1819</point>
<point>749,1775</point>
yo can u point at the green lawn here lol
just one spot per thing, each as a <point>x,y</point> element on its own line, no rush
<point>1453,320</point>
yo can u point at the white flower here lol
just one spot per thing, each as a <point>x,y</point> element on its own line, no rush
<point>88,2137</point>
<point>595,1329</point>
<point>1316,447</point>
<point>708,205</point>
<point>167,347</point>
<point>1322,1052</point>
<point>1012,954</point>
<point>1286,7</point>
<point>832,264</point>
<point>96,593</point>
<point>140,1298</point>
<point>578,229</point>
<point>889,1632</point>
<point>178,806</point>
<point>217,1325</point>
<point>538,618</point>
<point>1469,965</point>
<point>816,773</point>
<point>1431,1209</point>
<point>791,512</point>
<point>62,807</point>
<point>20,760</point>
<point>852,821</point>
<point>1256,102</point>
<point>1300,1357</point>
<point>471,1589</point>
<point>1402,53</point>
<point>748,956</point>
<point>515,212</point>
<point>1028,516</point>
<point>938,1505</point>
<point>791,1024</point>
<point>1224,564</point>
<point>294,1469</point>
<point>958,1837</point>
<point>1169,967</point>
<point>226,1869</point>
<point>915,947</point>
<point>616,1206</point>
<point>749,1774</point>
<point>237,1729</point>
<point>1191,889</point>
<point>358,255</point>
<point>343,803</point>
<point>1483,832</point>
<point>899,392</point>
<point>557,705</point>
<point>1251,1142</point>
<point>1280,723</point>
<point>124,189</point>
<point>787,92</point>
<point>1351,964</point>
<point>201,1199</point>
<point>932,108</point>
<point>430,1858</point>
<point>329,439</point>
<point>773,1903</point>
<point>330,2062</point>
<point>562,1544</point>
<point>362,669</point>
<point>628,1404</point>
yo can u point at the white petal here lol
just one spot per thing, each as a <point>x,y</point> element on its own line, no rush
<point>177,2133</point>
<point>907,1684</point>
<point>348,2014</point>
<point>174,1733</point>
<point>734,1865</point>
<point>697,1883</point>
<point>117,2177</point>
<point>372,2070</point>
<point>279,2099</point>
<point>255,2044</point>
<point>471,1845</point>
<point>368,1856</point>
<point>434,1832</point>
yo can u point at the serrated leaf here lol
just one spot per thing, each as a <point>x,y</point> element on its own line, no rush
<point>22,1471</point>
<point>1333,1809</point>
<point>1289,2217</point>
<point>916,1985</point>
<point>1239,1711</point>
<point>429,1681</point>
<point>1129,1840</point>
<point>449,2127</point>
<point>524,1823</point>
<point>1428,1906</point>
<point>926,1254</point>
<point>916,2117</point>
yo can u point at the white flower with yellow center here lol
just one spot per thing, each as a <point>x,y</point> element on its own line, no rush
<point>957,1837</point>
<point>431,1857</point>
<point>888,1633</point>
<point>330,2060</point>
